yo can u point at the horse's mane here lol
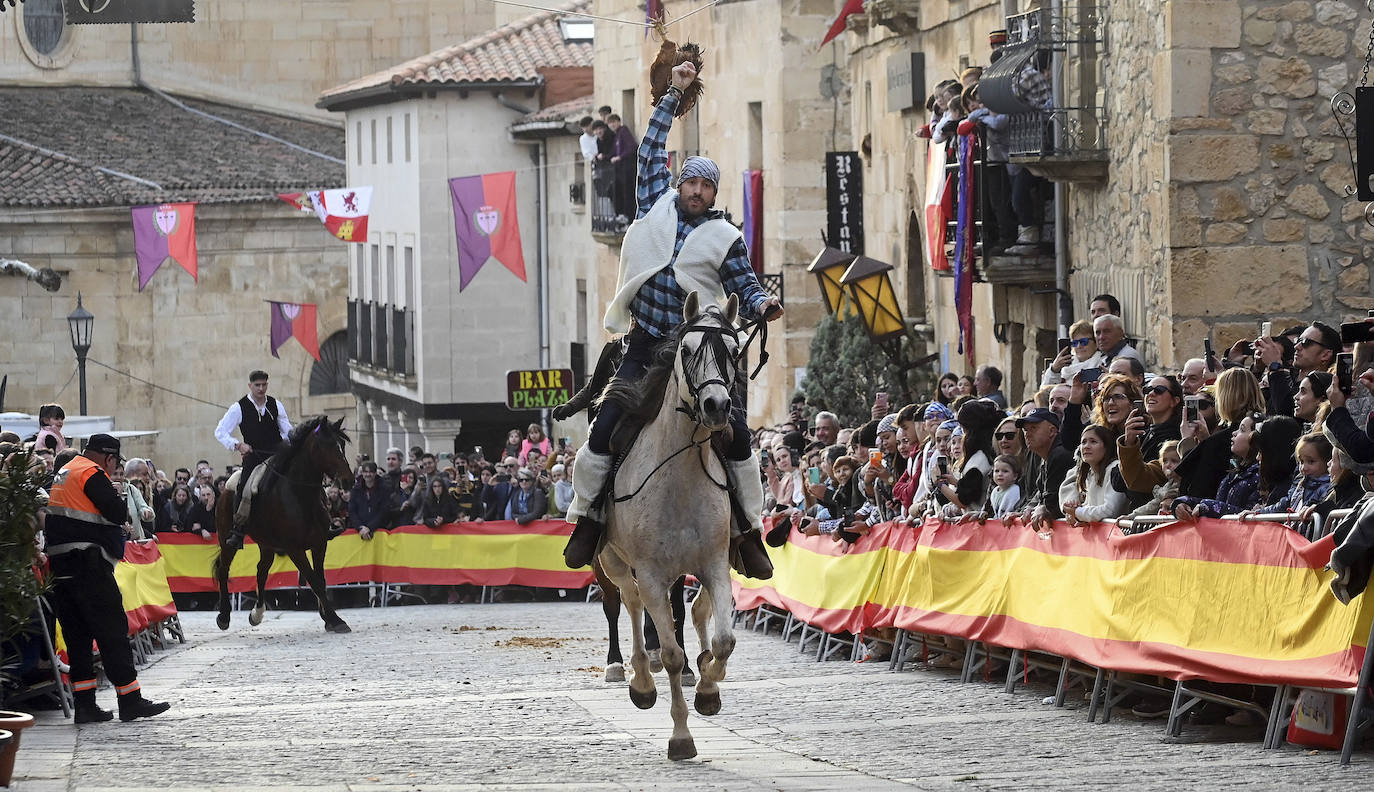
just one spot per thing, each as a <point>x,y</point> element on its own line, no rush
<point>295,441</point>
<point>640,400</point>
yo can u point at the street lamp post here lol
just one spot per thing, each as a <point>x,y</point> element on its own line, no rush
<point>81,322</point>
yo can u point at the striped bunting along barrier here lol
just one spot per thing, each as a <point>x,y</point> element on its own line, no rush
<point>1220,600</point>
<point>501,553</point>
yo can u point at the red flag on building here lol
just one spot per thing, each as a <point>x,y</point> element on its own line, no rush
<point>753,218</point>
<point>344,212</point>
<point>295,320</point>
<point>837,27</point>
<point>300,200</point>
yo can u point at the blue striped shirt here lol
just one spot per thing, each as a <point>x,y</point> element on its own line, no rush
<point>658,306</point>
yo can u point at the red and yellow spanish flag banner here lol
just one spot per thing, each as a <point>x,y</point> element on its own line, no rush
<point>1218,600</point>
<point>142,579</point>
<point>485,554</point>
<point>825,583</point>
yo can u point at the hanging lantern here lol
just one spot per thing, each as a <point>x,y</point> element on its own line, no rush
<point>870,290</point>
<point>828,267</point>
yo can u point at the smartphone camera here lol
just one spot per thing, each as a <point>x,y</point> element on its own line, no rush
<point>1089,375</point>
<point>1345,372</point>
<point>1138,406</point>
<point>1190,408</point>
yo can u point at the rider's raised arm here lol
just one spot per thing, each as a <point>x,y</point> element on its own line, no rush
<point>654,177</point>
<point>737,277</point>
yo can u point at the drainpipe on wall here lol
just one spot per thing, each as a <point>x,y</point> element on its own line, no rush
<point>539,157</point>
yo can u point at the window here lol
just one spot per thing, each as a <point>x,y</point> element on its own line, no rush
<point>627,110</point>
<point>374,141</point>
<point>406,131</point>
<point>388,140</point>
<point>577,31</point>
<point>360,277</point>
<point>44,25</point>
<point>390,274</point>
<point>329,374</point>
<point>408,261</point>
<point>358,135</point>
<point>376,271</point>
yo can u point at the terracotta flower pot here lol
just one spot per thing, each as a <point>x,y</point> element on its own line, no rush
<point>13,723</point>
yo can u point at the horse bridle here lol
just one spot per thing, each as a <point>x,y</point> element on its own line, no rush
<point>715,342</point>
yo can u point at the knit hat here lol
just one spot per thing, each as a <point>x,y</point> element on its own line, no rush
<point>938,410</point>
<point>888,423</point>
<point>699,168</point>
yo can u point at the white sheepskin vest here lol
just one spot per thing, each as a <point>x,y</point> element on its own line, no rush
<point>648,248</point>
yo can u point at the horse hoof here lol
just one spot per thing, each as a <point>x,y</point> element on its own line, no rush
<point>687,678</point>
<point>655,660</point>
<point>222,621</point>
<point>255,617</point>
<point>680,748</point>
<point>341,627</point>
<point>702,660</point>
<point>644,700</point>
<point>615,672</point>
<point>707,703</point>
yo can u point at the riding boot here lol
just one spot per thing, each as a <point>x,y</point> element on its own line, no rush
<point>133,705</point>
<point>243,503</point>
<point>589,479</point>
<point>86,710</point>
<point>747,554</point>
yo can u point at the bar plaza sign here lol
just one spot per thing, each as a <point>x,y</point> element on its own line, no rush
<point>536,389</point>
<point>113,12</point>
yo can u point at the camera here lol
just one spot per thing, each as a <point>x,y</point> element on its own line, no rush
<point>1138,406</point>
<point>1357,332</point>
<point>1088,375</point>
<point>1345,372</point>
<point>1190,408</point>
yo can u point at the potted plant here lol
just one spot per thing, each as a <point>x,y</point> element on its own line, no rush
<point>21,496</point>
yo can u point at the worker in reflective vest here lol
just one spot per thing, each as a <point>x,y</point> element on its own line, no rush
<point>84,529</point>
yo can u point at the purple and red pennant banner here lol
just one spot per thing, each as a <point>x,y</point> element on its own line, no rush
<point>753,218</point>
<point>162,232</point>
<point>295,320</point>
<point>485,221</point>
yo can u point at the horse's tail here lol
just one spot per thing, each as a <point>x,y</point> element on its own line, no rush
<point>214,564</point>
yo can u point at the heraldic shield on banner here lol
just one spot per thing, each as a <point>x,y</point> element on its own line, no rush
<point>486,224</point>
<point>298,321</point>
<point>162,232</point>
<point>344,212</point>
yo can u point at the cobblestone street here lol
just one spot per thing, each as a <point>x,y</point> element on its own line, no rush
<point>510,696</point>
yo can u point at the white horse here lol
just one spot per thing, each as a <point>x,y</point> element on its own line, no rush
<point>672,516</point>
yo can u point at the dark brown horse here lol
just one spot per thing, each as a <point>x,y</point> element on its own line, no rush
<point>288,515</point>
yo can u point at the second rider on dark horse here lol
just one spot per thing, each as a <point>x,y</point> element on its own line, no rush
<point>677,244</point>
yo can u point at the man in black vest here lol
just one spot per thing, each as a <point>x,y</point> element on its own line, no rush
<point>261,421</point>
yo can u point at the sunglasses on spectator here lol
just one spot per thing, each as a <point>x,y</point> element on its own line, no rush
<point>526,480</point>
<point>1157,390</point>
<point>1307,342</point>
<point>1004,435</point>
<point>1080,342</point>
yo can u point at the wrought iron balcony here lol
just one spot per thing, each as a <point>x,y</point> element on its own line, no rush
<point>381,338</point>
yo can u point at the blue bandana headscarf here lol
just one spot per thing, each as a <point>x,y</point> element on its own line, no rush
<point>699,168</point>
<point>938,410</point>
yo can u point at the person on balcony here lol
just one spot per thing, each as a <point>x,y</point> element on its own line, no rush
<point>708,256</point>
<point>1033,89</point>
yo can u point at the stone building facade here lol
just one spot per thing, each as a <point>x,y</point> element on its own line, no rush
<point>773,102</point>
<point>1220,203</point>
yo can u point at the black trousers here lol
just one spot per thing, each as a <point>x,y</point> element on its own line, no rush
<point>638,354</point>
<point>90,607</point>
<point>249,463</point>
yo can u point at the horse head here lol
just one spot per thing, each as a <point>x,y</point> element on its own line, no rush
<point>706,363</point>
<point>324,446</point>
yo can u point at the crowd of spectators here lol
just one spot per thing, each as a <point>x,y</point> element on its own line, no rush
<point>610,145</point>
<point>1010,199</point>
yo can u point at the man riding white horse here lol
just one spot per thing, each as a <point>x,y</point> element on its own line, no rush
<point>677,244</point>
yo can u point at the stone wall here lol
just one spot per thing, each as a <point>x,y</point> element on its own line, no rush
<point>198,338</point>
<point>270,55</point>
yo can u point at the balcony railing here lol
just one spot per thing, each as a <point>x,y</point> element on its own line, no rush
<point>605,219</point>
<point>382,338</point>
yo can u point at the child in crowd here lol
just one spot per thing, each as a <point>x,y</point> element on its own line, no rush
<point>50,420</point>
<point>1087,494</point>
<point>1162,496</point>
<point>1005,497</point>
<point>1313,481</point>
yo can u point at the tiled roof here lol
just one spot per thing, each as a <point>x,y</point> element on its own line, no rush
<point>512,53</point>
<point>53,142</point>
<point>571,110</point>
